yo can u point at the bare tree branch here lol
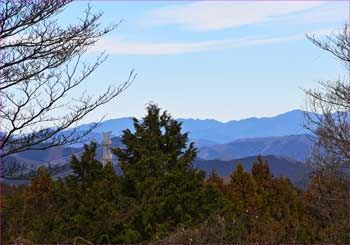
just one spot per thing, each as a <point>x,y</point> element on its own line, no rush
<point>329,190</point>
<point>41,64</point>
<point>330,121</point>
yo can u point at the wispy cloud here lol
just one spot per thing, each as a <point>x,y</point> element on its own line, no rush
<point>121,45</point>
<point>223,15</point>
<point>335,12</point>
<point>112,46</point>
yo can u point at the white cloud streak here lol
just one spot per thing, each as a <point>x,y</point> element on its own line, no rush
<point>118,46</point>
<point>222,15</point>
<point>203,16</point>
<point>122,46</point>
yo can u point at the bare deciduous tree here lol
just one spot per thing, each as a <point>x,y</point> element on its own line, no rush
<point>329,190</point>
<point>330,121</point>
<point>41,63</point>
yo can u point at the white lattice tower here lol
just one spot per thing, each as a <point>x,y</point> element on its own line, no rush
<point>106,144</point>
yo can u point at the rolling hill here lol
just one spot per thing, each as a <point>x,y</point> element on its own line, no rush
<point>293,146</point>
<point>294,170</point>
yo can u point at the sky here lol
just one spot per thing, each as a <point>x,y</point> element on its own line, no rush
<point>224,60</point>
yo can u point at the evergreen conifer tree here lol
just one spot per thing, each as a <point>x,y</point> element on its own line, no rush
<point>89,201</point>
<point>158,175</point>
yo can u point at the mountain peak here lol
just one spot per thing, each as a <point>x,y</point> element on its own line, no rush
<point>212,130</point>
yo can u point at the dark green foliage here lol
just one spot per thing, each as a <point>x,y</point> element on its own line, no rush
<point>90,200</point>
<point>257,208</point>
<point>158,175</point>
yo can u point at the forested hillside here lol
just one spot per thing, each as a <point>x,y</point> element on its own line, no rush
<point>162,198</point>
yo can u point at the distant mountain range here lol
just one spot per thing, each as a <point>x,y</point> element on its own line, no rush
<point>56,155</point>
<point>209,131</point>
<point>282,139</point>
<point>294,170</point>
<point>290,123</point>
<point>294,146</point>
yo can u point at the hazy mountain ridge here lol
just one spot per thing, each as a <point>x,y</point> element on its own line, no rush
<point>57,155</point>
<point>294,170</point>
<point>297,147</point>
<point>278,136</point>
<point>289,123</point>
<point>294,146</point>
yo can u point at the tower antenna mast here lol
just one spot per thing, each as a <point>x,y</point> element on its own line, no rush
<point>106,144</point>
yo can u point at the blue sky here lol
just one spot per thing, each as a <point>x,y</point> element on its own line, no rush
<point>221,60</point>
